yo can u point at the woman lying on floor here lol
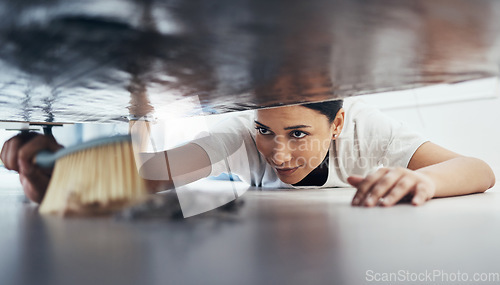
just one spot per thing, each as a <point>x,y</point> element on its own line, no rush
<point>327,144</point>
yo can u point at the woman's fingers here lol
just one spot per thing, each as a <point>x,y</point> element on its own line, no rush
<point>11,148</point>
<point>29,150</point>
<point>35,185</point>
<point>421,194</point>
<point>404,186</point>
<point>384,185</point>
<point>33,178</point>
<point>387,186</point>
<point>355,180</point>
<point>365,185</point>
<point>9,153</point>
<point>18,154</point>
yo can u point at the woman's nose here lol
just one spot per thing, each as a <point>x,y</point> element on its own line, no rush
<point>281,154</point>
<point>280,160</point>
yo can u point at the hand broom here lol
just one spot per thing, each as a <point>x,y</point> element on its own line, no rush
<point>94,178</point>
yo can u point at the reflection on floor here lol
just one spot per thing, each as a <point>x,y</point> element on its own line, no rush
<point>277,237</point>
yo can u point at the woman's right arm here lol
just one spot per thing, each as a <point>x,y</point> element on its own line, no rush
<point>176,167</point>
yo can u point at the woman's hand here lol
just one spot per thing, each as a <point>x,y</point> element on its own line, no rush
<point>18,154</point>
<point>387,186</point>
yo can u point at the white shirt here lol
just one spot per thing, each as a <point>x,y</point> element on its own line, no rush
<point>368,140</point>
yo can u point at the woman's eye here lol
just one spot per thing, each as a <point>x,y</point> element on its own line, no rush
<point>263,131</point>
<point>298,134</point>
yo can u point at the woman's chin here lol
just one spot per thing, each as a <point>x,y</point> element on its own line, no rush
<point>290,179</point>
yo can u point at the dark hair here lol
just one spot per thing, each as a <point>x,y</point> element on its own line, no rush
<point>327,108</point>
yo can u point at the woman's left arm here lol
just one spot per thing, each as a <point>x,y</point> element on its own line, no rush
<point>433,171</point>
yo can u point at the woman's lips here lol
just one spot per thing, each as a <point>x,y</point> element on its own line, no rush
<point>286,171</point>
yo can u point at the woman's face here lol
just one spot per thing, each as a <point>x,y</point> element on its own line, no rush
<point>294,139</point>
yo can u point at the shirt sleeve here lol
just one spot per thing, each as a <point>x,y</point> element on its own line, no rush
<point>402,146</point>
<point>231,147</point>
<point>392,142</point>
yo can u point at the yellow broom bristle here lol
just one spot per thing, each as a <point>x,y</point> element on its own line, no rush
<point>95,181</point>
